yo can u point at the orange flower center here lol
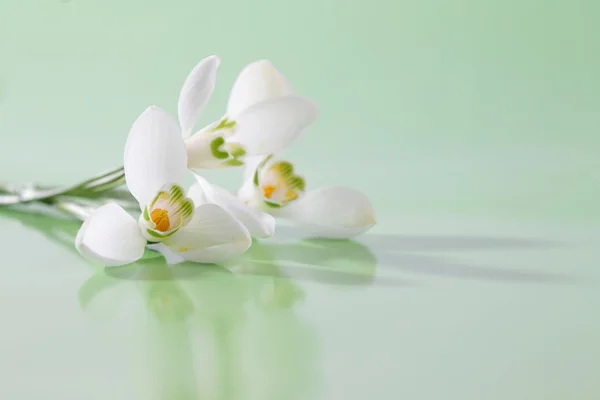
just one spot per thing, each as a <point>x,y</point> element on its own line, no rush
<point>161,218</point>
<point>268,191</point>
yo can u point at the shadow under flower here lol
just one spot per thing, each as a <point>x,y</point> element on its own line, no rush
<point>343,262</point>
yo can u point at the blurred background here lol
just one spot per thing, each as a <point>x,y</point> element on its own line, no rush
<point>472,125</point>
<point>466,106</point>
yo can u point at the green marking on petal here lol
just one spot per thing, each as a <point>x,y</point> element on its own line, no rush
<point>146,214</point>
<point>255,180</point>
<point>177,193</point>
<point>284,168</point>
<point>161,193</point>
<point>272,205</point>
<point>225,123</point>
<point>233,163</point>
<point>215,146</point>
<point>185,209</point>
<point>236,150</point>
<point>259,167</point>
<point>297,182</point>
<point>159,235</point>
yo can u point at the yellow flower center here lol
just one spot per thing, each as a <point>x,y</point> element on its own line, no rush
<point>161,218</point>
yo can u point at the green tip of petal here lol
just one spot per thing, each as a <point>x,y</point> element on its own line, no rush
<point>215,148</point>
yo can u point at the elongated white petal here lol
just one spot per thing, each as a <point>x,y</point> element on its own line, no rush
<point>196,93</point>
<point>155,154</point>
<point>333,212</point>
<point>212,236</point>
<point>111,237</point>
<point>273,125</point>
<point>259,224</point>
<point>258,81</point>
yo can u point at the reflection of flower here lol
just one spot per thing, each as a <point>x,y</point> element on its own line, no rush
<point>260,346</point>
<point>215,332</point>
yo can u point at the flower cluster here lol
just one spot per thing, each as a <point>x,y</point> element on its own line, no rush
<point>207,223</point>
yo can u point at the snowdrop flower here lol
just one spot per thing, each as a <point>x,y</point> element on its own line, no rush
<point>271,184</point>
<point>155,165</point>
<point>331,212</point>
<point>265,126</point>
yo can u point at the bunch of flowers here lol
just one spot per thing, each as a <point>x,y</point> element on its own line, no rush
<point>205,223</point>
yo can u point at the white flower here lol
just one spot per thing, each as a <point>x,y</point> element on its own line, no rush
<point>155,165</point>
<point>332,212</point>
<point>264,126</point>
<point>271,185</point>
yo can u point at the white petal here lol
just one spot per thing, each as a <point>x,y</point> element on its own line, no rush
<point>196,92</point>
<point>258,81</point>
<point>170,257</point>
<point>212,236</point>
<point>259,224</point>
<point>155,154</point>
<point>199,150</point>
<point>250,165</point>
<point>111,237</point>
<point>333,212</point>
<point>273,125</point>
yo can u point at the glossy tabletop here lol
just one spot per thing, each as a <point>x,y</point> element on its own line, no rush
<point>473,128</point>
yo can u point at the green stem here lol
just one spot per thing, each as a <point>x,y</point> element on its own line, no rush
<point>94,186</point>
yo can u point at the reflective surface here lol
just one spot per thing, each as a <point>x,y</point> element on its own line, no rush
<point>472,126</point>
<point>505,315</point>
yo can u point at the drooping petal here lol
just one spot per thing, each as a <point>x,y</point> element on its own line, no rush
<point>212,236</point>
<point>259,224</point>
<point>155,154</point>
<point>258,81</point>
<point>196,93</point>
<point>273,125</point>
<point>111,237</point>
<point>332,212</point>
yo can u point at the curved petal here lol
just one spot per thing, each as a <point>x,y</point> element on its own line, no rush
<point>332,212</point>
<point>111,237</point>
<point>259,224</point>
<point>155,154</point>
<point>273,125</point>
<point>212,236</point>
<point>258,81</point>
<point>196,92</point>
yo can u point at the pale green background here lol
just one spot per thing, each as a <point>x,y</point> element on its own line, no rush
<point>471,125</point>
